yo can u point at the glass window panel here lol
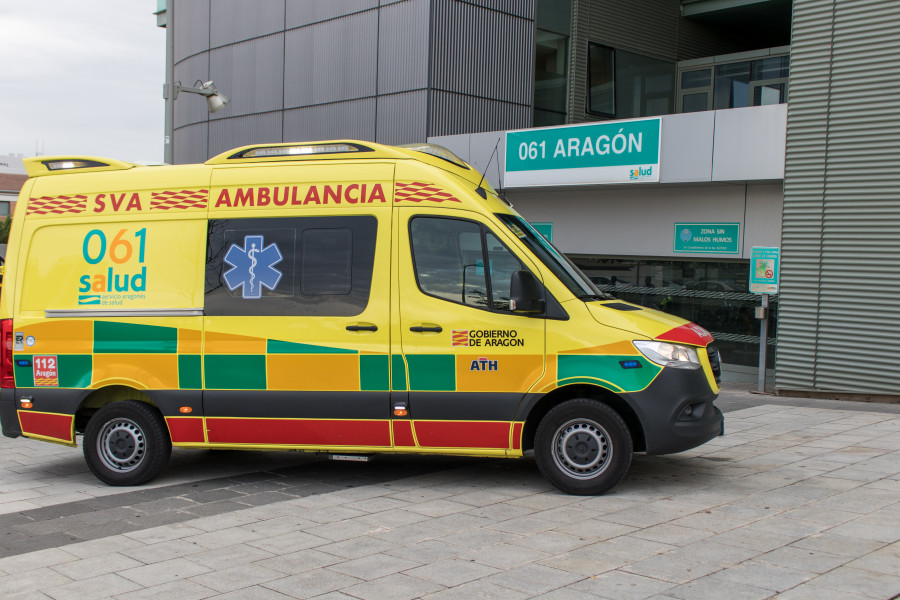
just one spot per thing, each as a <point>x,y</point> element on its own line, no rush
<point>695,102</point>
<point>775,67</point>
<point>601,80</point>
<point>325,261</point>
<point>448,259</point>
<point>772,93</point>
<point>696,79</point>
<point>502,265</point>
<point>550,72</point>
<point>644,86</point>
<point>732,85</point>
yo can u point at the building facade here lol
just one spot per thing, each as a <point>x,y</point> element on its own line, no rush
<point>770,129</point>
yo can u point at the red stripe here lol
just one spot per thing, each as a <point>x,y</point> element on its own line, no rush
<point>299,432</point>
<point>517,436</point>
<point>185,429</point>
<point>403,434</point>
<point>51,425</point>
<point>462,434</point>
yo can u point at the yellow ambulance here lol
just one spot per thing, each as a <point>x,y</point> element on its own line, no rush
<point>341,297</point>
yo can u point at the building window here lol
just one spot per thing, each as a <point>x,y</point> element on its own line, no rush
<point>601,80</point>
<point>713,294</point>
<point>624,85</point>
<point>733,84</point>
<point>551,78</point>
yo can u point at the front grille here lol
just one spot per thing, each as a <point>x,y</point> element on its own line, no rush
<point>715,362</point>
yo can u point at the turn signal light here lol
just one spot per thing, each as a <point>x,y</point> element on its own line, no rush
<point>27,405</point>
<point>400,412</point>
<point>185,409</point>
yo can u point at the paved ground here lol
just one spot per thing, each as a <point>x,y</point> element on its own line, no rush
<point>800,499</point>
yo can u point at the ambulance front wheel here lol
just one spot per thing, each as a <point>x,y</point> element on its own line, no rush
<point>583,447</point>
<point>126,443</point>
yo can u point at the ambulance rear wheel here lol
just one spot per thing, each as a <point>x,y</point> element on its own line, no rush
<point>126,443</point>
<point>583,447</point>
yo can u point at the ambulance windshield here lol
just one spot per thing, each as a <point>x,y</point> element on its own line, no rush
<point>555,260</point>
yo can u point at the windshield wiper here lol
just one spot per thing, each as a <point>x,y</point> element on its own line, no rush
<point>594,297</point>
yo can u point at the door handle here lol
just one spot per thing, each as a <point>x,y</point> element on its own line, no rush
<point>362,327</point>
<point>424,329</point>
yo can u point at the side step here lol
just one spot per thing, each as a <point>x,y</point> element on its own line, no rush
<point>351,457</point>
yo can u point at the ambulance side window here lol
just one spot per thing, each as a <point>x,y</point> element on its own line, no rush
<point>303,266</point>
<point>449,258</point>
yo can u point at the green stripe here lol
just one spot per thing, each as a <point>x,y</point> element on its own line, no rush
<point>235,372</point>
<point>374,375</point>
<point>432,372</point>
<point>189,373</point>
<point>129,338</point>
<point>607,368</point>
<point>24,375</point>
<point>398,373</point>
<point>279,347</point>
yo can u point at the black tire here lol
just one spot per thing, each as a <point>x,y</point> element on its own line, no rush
<point>126,443</point>
<point>583,447</point>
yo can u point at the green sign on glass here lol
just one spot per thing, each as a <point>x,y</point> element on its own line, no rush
<point>609,152</point>
<point>707,238</point>
<point>545,229</point>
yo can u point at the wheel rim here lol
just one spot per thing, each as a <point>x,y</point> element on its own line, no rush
<point>121,445</point>
<point>582,448</point>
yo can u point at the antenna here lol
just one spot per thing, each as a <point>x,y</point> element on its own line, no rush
<point>480,190</point>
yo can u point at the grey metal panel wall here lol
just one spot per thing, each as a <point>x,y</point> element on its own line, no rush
<point>331,61</point>
<point>251,74</point>
<point>191,26</point>
<point>403,40</point>
<point>483,53</point>
<point>305,12</point>
<point>191,108</point>
<point>841,223</point>
<point>226,134</point>
<point>460,113</point>
<point>402,118</point>
<point>354,119</point>
<point>237,20</point>
<point>520,8</point>
<point>190,144</point>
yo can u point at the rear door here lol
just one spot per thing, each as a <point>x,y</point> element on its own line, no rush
<point>469,360</point>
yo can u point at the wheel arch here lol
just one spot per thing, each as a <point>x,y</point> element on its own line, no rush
<point>97,399</point>
<point>552,399</point>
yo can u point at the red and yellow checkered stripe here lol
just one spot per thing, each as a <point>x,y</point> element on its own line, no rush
<point>416,191</point>
<point>57,205</point>
<point>184,199</point>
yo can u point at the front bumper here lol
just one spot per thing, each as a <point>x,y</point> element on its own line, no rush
<point>662,409</point>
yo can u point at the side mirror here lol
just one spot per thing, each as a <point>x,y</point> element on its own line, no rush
<point>525,293</point>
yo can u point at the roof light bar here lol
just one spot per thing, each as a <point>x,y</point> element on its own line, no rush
<point>68,164</point>
<point>436,151</point>
<point>299,150</point>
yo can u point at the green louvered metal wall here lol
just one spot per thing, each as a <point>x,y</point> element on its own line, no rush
<point>839,319</point>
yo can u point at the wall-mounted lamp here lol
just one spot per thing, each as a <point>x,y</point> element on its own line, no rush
<point>215,100</point>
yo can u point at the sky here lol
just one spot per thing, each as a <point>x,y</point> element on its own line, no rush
<point>82,77</point>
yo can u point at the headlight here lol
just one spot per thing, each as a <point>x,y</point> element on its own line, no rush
<point>669,355</point>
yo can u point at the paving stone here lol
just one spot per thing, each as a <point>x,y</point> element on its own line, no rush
<point>312,583</point>
<point>767,576</point>
<point>163,572</point>
<point>622,586</point>
<point>858,581</point>
<point>300,561</point>
<point>102,586</point>
<point>714,586</point>
<point>163,551</point>
<point>451,572</point>
<point>228,556</point>
<point>374,566</point>
<point>95,566</point>
<point>288,542</point>
<point>533,579</point>
<point>505,556</point>
<point>237,577</point>
<point>479,590</point>
<point>393,587</point>
<point>183,589</point>
<point>671,568</point>
<point>31,580</point>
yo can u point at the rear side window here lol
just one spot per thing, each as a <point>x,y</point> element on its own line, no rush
<point>315,266</point>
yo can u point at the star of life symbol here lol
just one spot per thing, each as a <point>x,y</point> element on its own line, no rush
<point>253,267</point>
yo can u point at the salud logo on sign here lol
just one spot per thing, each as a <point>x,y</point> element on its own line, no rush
<point>611,152</point>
